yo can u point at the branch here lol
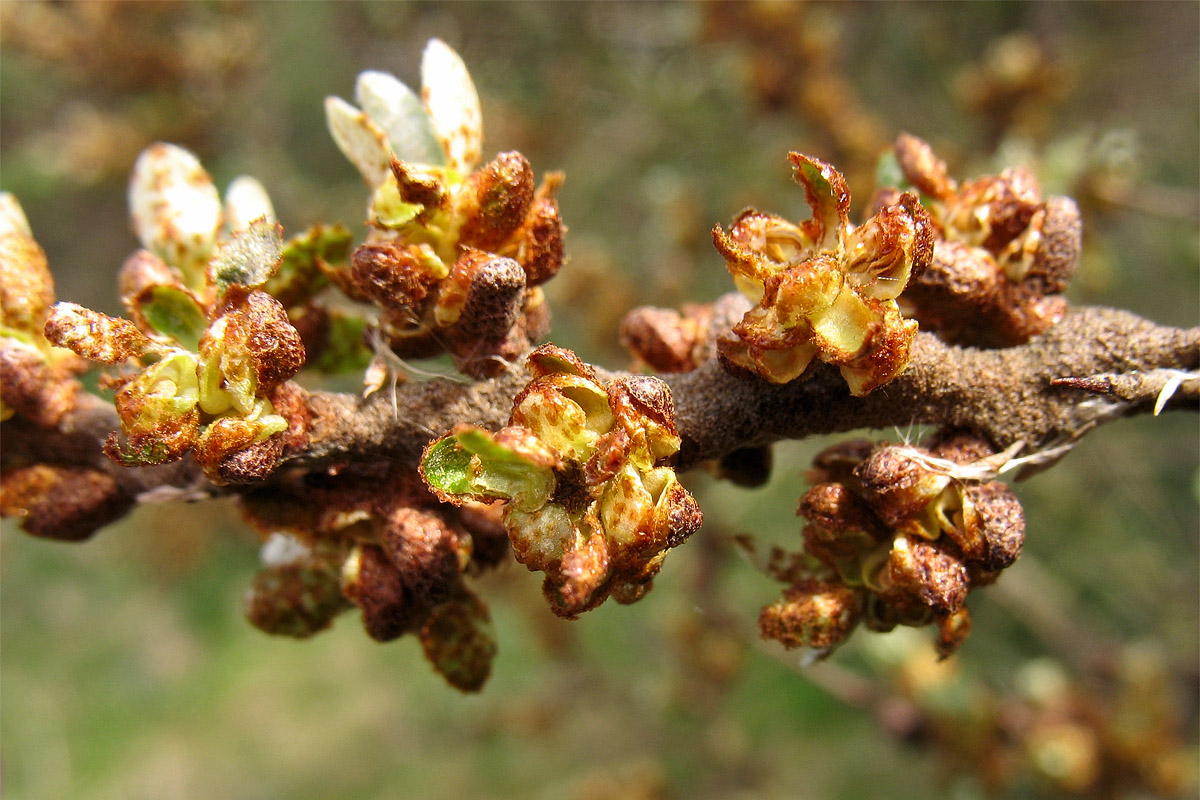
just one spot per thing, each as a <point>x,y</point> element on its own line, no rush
<point>1097,364</point>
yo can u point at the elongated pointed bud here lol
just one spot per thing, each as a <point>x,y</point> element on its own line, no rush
<point>246,200</point>
<point>175,207</point>
<point>453,106</point>
<point>398,112</point>
<point>95,336</point>
<point>360,140</point>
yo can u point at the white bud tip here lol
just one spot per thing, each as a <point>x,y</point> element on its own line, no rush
<point>175,207</point>
<point>359,139</point>
<point>12,216</point>
<point>452,105</point>
<point>246,200</point>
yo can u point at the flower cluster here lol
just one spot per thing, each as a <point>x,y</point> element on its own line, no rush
<point>378,540</point>
<point>36,379</point>
<point>895,535</point>
<point>1003,254</point>
<point>584,468</point>
<point>824,289</point>
<point>456,254</point>
<point>213,351</point>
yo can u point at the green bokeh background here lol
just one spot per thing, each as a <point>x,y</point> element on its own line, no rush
<point>126,670</point>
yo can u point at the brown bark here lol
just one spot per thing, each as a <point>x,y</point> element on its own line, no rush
<point>1096,365</point>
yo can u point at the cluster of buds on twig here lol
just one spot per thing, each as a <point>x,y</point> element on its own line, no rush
<point>895,535</point>
<point>36,378</point>
<point>1003,254</point>
<point>380,541</point>
<point>456,255</point>
<point>37,383</point>
<point>824,289</point>
<point>213,351</point>
<point>584,468</point>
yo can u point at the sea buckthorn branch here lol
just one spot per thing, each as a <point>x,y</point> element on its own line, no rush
<point>1010,395</point>
<point>390,501</point>
<point>1006,395</point>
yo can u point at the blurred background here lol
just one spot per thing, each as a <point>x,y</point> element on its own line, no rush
<point>126,669</point>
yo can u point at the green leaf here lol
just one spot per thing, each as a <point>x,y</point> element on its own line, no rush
<point>174,313</point>
<point>471,462</point>
<point>446,466</point>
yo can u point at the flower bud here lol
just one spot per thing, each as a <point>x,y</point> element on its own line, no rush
<point>459,641</point>
<point>158,411</point>
<point>392,276</point>
<point>485,292</point>
<point>298,595</point>
<point>997,520</point>
<point>953,629</point>
<point>58,502</point>
<point>425,550</point>
<point>579,583</point>
<point>39,389</point>
<point>898,487</point>
<point>919,571</point>
<point>175,207</point>
<point>234,449</point>
<point>840,525</point>
<point>372,582</point>
<point>1058,247</point>
<point>95,336</point>
<point>494,201</point>
<point>249,349</point>
<point>748,467</point>
<point>538,243</point>
<point>667,341</point>
<point>26,287</point>
<point>924,169</point>
<point>812,614</point>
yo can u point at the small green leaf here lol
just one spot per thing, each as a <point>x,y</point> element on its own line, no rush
<point>398,112</point>
<point>471,462</point>
<point>446,466</point>
<point>174,313</point>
